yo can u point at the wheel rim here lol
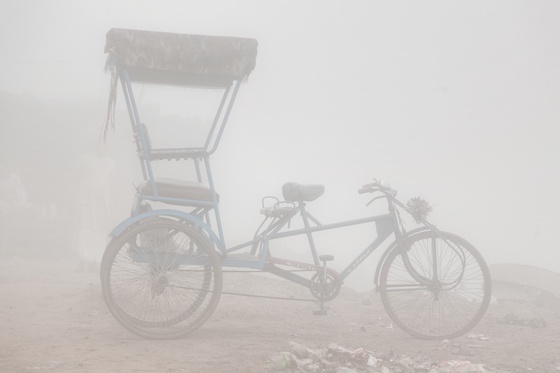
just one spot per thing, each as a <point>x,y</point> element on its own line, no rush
<point>452,304</point>
<point>163,280</point>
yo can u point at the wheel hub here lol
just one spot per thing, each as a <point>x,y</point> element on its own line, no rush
<point>159,285</point>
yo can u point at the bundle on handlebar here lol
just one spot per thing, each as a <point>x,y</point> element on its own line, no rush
<point>419,208</point>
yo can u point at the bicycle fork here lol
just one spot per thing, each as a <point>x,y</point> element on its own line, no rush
<point>402,244</point>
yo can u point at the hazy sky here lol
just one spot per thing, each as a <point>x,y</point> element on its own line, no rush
<point>456,101</point>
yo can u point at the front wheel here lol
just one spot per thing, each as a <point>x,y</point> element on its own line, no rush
<point>161,279</point>
<point>454,294</point>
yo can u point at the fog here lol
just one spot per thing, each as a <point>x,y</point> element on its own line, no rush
<point>456,103</point>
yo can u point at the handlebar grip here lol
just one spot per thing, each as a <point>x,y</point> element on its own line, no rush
<point>381,186</point>
<point>368,188</point>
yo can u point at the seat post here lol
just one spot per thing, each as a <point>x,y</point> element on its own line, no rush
<point>308,233</point>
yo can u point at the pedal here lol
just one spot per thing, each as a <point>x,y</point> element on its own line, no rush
<point>322,312</point>
<point>324,259</point>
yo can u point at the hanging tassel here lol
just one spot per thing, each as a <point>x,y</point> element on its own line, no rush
<point>110,67</point>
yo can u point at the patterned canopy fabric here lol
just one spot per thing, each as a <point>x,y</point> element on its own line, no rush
<point>180,55</point>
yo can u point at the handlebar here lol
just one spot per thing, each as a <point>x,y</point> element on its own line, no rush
<point>381,185</point>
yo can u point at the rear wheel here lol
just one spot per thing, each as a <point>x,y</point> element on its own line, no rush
<point>161,279</point>
<point>456,298</point>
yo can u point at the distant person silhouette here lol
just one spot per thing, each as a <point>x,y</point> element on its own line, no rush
<point>13,196</point>
<point>94,208</point>
<point>13,206</point>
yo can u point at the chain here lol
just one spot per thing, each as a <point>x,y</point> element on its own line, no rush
<point>246,295</point>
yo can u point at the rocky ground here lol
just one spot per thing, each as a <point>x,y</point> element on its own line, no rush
<point>54,319</point>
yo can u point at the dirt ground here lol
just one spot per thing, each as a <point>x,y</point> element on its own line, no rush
<point>54,319</point>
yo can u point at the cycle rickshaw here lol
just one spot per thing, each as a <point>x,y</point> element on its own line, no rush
<point>161,273</point>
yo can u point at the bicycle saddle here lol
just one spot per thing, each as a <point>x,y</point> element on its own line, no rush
<point>294,192</point>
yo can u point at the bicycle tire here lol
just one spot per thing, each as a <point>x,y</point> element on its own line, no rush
<point>161,279</point>
<point>445,311</point>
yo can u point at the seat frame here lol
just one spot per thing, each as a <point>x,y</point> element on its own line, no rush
<point>198,196</point>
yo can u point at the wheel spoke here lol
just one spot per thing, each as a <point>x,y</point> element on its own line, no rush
<point>161,279</point>
<point>450,306</point>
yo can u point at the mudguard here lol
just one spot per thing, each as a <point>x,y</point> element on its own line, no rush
<point>179,215</point>
<point>393,246</point>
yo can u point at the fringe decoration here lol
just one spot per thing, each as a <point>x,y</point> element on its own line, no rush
<point>110,67</point>
<point>419,208</point>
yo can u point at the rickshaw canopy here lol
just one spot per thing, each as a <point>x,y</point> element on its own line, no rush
<point>181,59</point>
